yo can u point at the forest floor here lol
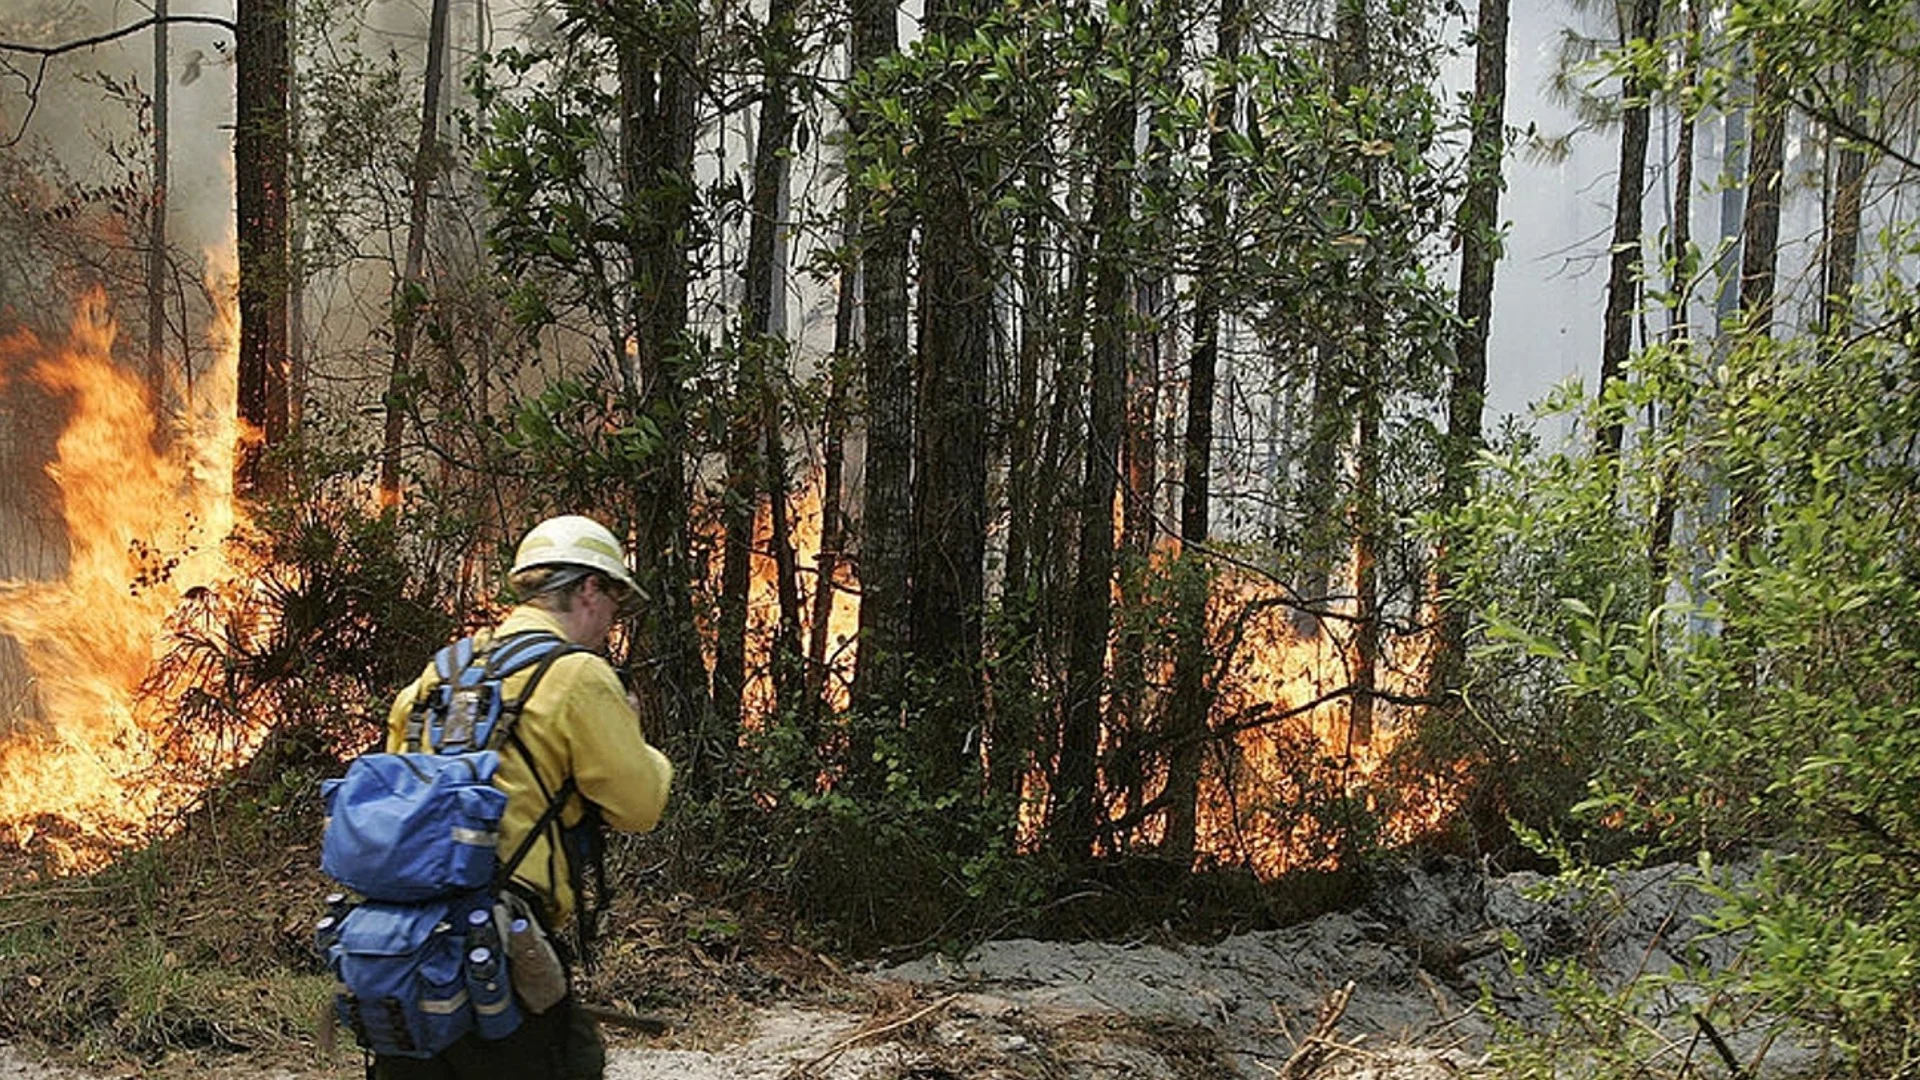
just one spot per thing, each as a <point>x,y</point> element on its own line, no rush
<point>1416,983</point>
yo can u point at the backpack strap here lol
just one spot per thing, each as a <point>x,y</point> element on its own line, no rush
<point>508,731</point>
<point>548,818</point>
<point>448,663</point>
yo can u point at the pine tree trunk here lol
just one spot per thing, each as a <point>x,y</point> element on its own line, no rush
<point>1354,41</point>
<point>737,512</point>
<point>410,295</point>
<point>833,455</point>
<point>1191,700</point>
<point>1622,279</point>
<point>950,443</point>
<point>1759,243</point>
<point>1076,792</point>
<point>659,121</point>
<point>1843,232</point>
<point>1010,737</point>
<point>1480,244</point>
<point>1680,234</point>
<point>886,540</point>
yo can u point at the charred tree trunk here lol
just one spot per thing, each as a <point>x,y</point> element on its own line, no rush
<point>263,61</point>
<point>1623,277</point>
<point>411,294</point>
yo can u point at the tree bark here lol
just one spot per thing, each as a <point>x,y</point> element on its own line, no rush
<point>766,295</point>
<point>1843,232</point>
<point>1076,794</point>
<point>157,233</point>
<point>1191,701</point>
<point>950,440</point>
<point>886,540</point>
<point>262,59</point>
<point>1480,249</point>
<point>1759,256</point>
<point>659,94</point>
<point>409,297</point>
<point>833,454</point>
<point>1623,277</point>
<point>1667,503</point>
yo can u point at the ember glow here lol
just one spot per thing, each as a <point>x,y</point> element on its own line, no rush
<point>144,528</point>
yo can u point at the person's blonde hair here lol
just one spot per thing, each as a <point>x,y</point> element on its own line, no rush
<point>549,588</point>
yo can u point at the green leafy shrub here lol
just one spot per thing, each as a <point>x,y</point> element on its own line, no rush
<point>1756,687</point>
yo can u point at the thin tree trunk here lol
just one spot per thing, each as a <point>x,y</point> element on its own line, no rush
<point>659,121</point>
<point>1366,574</point>
<point>1330,421</point>
<point>157,234</point>
<point>1353,36</point>
<point>1012,723</point>
<point>766,299</point>
<point>1480,249</point>
<point>1843,236</point>
<point>738,510</point>
<point>410,295</point>
<point>1760,241</point>
<point>262,60</point>
<point>1075,791</point>
<point>1680,233</point>
<point>1140,448</point>
<point>1190,702</point>
<point>1623,278</point>
<point>833,453</point>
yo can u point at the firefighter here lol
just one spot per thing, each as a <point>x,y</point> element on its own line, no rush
<point>580,724</point>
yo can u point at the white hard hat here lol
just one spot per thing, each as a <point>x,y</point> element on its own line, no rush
<point>573,540</point>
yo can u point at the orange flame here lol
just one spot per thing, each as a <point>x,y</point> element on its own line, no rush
<point>144,528</point>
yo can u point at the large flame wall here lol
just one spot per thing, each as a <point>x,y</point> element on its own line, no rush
<point>144,526</point>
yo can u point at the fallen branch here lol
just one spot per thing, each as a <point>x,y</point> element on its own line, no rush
<point>1719,1044</point>
<point>1319,1045</point>
<point>806,1068</point>
<point>644,1023</point>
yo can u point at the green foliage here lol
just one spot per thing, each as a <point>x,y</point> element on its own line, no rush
<point>885,866</point>
<point>1758,691</point>
<point>335,610</point>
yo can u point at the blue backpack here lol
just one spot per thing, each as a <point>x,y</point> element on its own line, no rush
<point>421,959</point>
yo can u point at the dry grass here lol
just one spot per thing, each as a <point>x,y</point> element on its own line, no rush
<point>193,948</point>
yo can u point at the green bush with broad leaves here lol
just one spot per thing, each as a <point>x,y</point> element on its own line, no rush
<point>1751,682</point>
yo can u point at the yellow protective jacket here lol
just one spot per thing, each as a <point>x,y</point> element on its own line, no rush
<point>578,723</point>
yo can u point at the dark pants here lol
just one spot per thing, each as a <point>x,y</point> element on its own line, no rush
<point>561,1044</point>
